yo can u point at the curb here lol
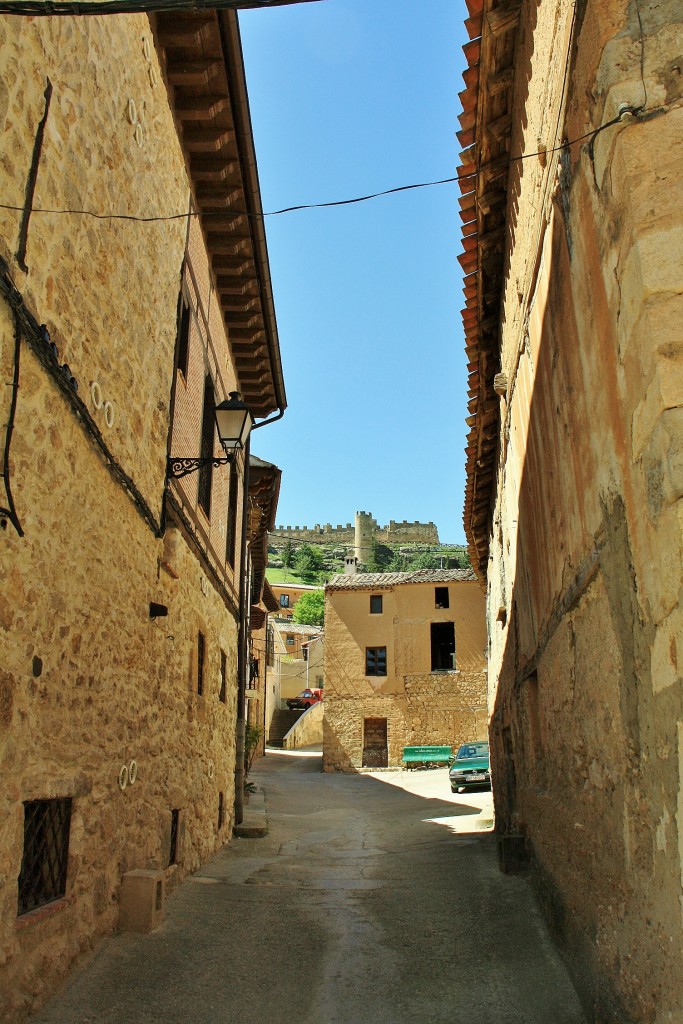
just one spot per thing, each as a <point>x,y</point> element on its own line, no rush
<point>254,825</point>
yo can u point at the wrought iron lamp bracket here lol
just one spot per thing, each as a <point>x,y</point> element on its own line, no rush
<point>178,467</point>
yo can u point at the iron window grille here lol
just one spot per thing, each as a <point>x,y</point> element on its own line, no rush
<point>222,693</point>
<point>375,661</point>
<point>375,604</point>
<point>201,650</point>
<point>173,845</point>
<point>42,878</point>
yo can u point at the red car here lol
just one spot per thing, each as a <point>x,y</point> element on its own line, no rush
<point>304,700</point>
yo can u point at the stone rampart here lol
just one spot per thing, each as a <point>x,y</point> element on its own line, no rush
<point>396,532</point>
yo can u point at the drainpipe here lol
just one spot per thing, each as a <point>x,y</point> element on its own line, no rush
<point>242,659</point>
<point>243,636</point>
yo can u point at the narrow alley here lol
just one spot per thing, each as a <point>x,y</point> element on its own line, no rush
<point>373,898</point>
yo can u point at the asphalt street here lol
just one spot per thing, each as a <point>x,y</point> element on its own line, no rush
<point>373,899</point>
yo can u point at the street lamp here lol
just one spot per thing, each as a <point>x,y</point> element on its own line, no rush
<point>234,422</point>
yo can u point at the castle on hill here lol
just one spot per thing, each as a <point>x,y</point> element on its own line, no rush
<point>360,534</point>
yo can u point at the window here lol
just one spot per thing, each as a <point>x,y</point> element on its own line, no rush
<point>284,600</point>
<point>290,640</point>
<point>173,845</point>
<point>231,526</point>
<point>270,646</point>
<point>319,682</point>
<point>206,447</point>
<point>184,321</point>
<point>221,812</point>
<point>441,597</point>
<point>201,650</point>
<point>42,878</point>
<point>375,604</point>
<point>375,661</point>
<point>443,646</point>
<point>222,693</point>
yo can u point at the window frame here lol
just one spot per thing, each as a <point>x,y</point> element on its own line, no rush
<point>375,660</point>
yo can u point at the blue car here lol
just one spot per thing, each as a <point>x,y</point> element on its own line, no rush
<point>470,768</point>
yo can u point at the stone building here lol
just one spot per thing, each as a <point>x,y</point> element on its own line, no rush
<point>287,595</point>
<point>571,179</point>
<point>124,608</point>
<point>404,665</point>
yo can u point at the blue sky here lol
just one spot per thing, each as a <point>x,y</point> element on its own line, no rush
<point>350,97</point>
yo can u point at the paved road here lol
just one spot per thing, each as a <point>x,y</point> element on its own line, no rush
<point>374,899</point>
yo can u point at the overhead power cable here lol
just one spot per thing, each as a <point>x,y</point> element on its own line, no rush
<point>50,8</point>
<point>621,117</point>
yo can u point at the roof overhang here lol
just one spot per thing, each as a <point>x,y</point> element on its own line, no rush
<point>486,125</point>
<point>264,491</point>
<point>201,56</point>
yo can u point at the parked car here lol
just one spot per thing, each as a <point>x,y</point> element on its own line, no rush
<point>470,768</point>
<point>304,700</point>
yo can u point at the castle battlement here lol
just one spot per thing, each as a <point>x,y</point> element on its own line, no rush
<point>402,531</point>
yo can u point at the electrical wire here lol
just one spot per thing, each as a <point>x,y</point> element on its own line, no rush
<point>312,206</point>
<point>50,8</point>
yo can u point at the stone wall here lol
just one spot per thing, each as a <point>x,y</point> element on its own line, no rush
<point>585,575</point>
<point>445,708</point>
<point>89,681</point>
<point>421,706</point>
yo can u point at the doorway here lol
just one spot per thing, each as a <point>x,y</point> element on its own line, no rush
<point>375,745</point>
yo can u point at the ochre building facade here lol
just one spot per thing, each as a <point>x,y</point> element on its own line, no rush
<point>125,595</point>
<point>572,174</point>
<point>404,664</point>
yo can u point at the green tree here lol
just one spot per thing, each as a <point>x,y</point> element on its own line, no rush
<point>287,554</point>
<point>427,560</point>
<point>380,558</point>
<point>310,608</point>
<point>308,562</point>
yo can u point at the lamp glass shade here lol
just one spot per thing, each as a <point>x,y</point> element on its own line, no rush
<point>234,422</point>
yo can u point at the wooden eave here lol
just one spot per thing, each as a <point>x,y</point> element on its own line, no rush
<point>264,491</point>
<point>485,128</point>
<point>201,57</point>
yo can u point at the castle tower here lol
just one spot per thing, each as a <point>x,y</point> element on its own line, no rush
<point>365,529</point>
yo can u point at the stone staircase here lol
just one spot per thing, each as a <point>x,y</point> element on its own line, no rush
<point>281,724</point>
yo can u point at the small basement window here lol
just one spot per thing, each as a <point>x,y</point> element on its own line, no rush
<point>42,878</point>
<point>441,597</point>
<point>375,604</point>
<point>222,693</point>
<point>201,651</point>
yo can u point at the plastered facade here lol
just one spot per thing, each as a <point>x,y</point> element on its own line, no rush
<point>585,570</point>
<point>90,682</point>
<point>420,706</point>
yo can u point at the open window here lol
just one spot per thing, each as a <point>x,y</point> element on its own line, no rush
<point>443,646</point>
<point>441,597</point>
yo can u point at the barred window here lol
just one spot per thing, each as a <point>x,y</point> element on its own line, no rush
<point>375,661</point>
<point>42,878</point>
